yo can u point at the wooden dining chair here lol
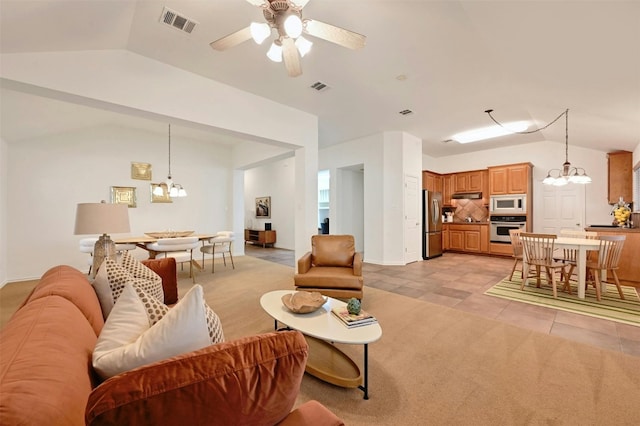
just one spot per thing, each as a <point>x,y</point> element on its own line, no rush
<point>516,246</point>
<point>608,257</point>
<point>538,252</point>
<point>569,256</point>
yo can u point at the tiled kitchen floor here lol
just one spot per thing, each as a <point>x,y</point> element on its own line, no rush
<point>460,280</point>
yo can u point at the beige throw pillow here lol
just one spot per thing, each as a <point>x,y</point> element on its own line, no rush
<point>139,331</point>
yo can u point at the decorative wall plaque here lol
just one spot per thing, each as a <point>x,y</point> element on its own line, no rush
<point>123,195</point>
<point>141,171</point>
<point>164,198</point>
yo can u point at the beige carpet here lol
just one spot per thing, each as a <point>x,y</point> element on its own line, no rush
<point>435,365</point>
<point>610,307</point>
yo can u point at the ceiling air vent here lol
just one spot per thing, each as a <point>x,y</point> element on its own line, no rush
<point>319,86</point>
<point>175,20</point>
<point>405,112</point>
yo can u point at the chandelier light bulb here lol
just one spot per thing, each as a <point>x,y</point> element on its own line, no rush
<point>260,31</point>
<point>293,26</point>
<point>303,45</point>
<point>158,190</point>
<point>275,52</point>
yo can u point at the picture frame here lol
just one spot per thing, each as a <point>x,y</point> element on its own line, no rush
<point>140,171</point>
<point>164,198</point>
<point>124,195</point>
<point>263,207</point>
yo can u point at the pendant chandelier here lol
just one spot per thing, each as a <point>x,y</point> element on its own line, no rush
<point>566,174</point>
<point>174,189</point>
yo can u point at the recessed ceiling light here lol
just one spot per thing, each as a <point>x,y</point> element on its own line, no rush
<point>401,77</point>
<point>490,132</point>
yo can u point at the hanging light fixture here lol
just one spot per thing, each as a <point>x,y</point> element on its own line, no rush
<point>568,173</point>
<point>174,189</point>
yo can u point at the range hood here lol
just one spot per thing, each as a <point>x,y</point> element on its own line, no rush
<point>467,196</point>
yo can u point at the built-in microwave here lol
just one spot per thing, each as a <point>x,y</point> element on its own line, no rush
<point>508,204</point>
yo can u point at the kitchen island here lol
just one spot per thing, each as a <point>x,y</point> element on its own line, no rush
<point>629,266</point>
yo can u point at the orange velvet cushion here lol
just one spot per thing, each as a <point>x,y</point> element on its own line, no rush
<point>45,364</point>
<point>73,285</point>
<point>253,380</point>
<point>166,268</point>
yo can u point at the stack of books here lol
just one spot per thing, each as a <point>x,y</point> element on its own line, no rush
<point>352,321</point>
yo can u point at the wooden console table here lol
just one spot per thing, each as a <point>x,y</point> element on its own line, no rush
<point>255,236</point>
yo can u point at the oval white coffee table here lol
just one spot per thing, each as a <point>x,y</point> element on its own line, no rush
<point>322,328</point>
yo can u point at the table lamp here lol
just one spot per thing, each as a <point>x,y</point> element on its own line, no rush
<point>102,218</point>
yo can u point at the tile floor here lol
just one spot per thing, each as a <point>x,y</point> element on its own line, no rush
<point>460,280</point>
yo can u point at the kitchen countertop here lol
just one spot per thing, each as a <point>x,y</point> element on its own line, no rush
<point>465,223</point>
<point>612,229</point>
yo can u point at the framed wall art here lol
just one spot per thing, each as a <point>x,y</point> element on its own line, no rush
<point>263,207</point>
<point>124,195</point>
<point>141,171</point>
<point>164,198</point>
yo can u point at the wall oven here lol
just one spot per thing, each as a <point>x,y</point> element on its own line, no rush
<point>500,226</point>
<point>512,204</point>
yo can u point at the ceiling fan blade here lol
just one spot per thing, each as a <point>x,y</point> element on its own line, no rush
<point>257,2</point>
<point>300,3</point>
<point>231,40</point>
<point>291,57</point>
<point>334,34</point>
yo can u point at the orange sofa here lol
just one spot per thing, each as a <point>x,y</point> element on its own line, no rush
<point>332,267</point>
<point>46,375</point>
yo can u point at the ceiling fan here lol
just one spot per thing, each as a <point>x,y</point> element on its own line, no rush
<point>285,16</point>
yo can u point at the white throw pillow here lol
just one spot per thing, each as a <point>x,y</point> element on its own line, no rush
<point>112,277</point>
<point>130,339</point>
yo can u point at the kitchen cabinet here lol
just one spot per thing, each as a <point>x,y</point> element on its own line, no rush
<point>511,179</point>
<point>445,237</point>
<point>470,238</point>
<point>431,181</point>
<point>468,181</point>
<point>447,189</point>
<point>628,267</point>
<point>620,167</point>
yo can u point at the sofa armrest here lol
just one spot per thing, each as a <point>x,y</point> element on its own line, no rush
<point>166,268</point>
<point>311,413</point>
<point>357,264</point>
<point>253,380</point>
<point>304,263</point>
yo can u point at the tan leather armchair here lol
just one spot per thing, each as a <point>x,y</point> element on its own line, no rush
<point>332,267</point>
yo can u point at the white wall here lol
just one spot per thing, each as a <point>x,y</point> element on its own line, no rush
<point>544,156</point>
<point>49,176</point>
<point>351,193</point>
<point>277,180</point>
<point>4,177</point>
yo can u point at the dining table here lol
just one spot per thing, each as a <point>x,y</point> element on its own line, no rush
<point>581,245</point>
<point>142,241</point>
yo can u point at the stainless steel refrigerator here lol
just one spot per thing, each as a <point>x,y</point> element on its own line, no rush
<point>431,224</point>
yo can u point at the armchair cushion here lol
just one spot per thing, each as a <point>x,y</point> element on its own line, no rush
<point>253,380</point>
<point>332,250</point>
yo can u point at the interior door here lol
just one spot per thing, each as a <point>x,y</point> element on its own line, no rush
<point>563,207</point>
<point>412,223</point>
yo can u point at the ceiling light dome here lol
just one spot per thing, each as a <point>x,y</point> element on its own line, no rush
<point>260,31</point>
<point>293,26</point>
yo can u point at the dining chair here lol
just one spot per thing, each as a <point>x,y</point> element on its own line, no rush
<point>180,248</point>
<point>538,252</point>
<point>220,243</point>
<point>568,256</point>
<point>87,246</point>
<point>516,246</point>
<point>608,257</point>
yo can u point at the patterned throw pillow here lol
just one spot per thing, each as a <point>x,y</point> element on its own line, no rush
<point>112,278</point>
<point>139,332</point>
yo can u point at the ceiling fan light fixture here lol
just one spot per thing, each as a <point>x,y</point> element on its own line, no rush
<point>303,45</point>
<point>275,52</point>
<point>293,26</point>
<point>260,31</point>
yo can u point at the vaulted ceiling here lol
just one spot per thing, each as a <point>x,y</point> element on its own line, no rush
<point>445,61</point>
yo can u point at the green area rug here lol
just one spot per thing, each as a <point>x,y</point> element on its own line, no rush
<point>611,307</point>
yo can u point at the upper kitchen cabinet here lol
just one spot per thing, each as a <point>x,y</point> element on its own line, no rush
<point>468,181</point>
<point>510,179</point>
<point>447,189</point>
<point>431,181</point>
<point>620,165</point>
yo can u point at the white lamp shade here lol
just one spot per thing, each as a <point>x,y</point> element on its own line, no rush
<point>260,31</point>
<point>303,45</point>
<point>275,53</point>
<point>293,26</point>
<point>101,218</point>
